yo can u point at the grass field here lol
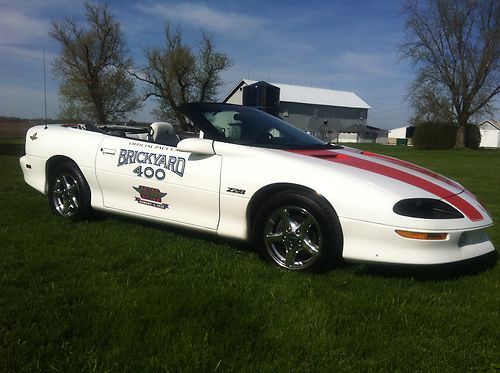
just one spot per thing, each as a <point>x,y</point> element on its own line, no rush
<point>118,295</point>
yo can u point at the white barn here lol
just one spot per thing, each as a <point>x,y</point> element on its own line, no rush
<point>328,114</point>
<point>490,134</point>
<point>400,136</point>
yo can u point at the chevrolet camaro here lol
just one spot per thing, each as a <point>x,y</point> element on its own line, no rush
<point>244,174</point>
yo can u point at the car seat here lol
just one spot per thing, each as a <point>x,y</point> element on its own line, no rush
<point>162,133</point>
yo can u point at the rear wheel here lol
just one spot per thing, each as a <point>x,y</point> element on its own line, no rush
<point>69,193</point>
<point>299,230</point>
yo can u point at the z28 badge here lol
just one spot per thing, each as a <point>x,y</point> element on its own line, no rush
<point>235,190</point>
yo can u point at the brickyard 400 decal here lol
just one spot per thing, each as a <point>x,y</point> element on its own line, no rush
<point>171,163</point>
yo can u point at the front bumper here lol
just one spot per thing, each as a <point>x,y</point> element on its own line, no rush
<point>377,243</point>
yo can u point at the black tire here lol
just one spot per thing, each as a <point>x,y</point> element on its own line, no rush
<point>69,193</point>
<point>298,230</point>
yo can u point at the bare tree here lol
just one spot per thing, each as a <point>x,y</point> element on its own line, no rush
<point>93,67</point>
<point>175,74</point>
<point>455,47</point>
<point>429,104</point>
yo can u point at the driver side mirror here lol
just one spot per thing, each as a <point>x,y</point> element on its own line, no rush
<point>196,146</point>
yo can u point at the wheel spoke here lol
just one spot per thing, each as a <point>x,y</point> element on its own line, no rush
<point>73,189</point>
<point>273,237</point>
<point>74,202</point>
<point>291,253</point>
<point>303,227</point>
<point>285,220</point>
<point>67,184</point>
<point>311,248</point>
<point>64,208</point>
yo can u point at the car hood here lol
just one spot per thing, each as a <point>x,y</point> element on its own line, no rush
<point>403,172</point>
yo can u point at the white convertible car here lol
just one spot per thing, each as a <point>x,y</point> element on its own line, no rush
<point>248,175</point>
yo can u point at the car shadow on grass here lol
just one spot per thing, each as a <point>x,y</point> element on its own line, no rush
<point>449,271</point>
<point>213,238</point>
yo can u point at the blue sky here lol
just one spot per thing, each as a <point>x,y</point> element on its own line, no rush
<point>344,45</point>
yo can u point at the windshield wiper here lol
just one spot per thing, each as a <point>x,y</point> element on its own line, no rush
<point>318,146</point>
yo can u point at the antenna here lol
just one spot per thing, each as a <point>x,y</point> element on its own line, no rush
<point>44,92</point>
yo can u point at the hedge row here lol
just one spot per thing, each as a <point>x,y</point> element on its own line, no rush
<point>442,135</point>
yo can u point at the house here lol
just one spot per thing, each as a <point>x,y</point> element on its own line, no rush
<point>490,133</point>
<point>328,114</point>
<point>401,135</point>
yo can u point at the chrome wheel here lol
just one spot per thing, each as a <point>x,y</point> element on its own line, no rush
<point>292,237</point>
<point>65,195</point>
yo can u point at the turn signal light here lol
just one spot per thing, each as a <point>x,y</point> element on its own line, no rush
<point>422,236</point>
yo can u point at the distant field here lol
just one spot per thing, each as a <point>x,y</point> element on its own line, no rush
<point>13,130</point>
<point>113,294</point>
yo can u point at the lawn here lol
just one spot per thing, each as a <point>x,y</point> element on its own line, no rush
<point>111,294</point>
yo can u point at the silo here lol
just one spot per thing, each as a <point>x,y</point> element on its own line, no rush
<point>263,96</point>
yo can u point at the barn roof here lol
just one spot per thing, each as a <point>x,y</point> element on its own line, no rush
<point>310,95</point>
<point>492,122</point>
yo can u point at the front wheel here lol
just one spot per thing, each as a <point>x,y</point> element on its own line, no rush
<point>299,230</point>
<point>69,193</point>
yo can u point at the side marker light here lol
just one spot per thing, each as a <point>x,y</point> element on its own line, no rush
<point>422,236</point>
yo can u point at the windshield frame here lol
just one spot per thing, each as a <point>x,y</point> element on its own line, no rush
<point>297,138</point>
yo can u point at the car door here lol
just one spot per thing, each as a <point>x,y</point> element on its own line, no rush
<point>159,181</point>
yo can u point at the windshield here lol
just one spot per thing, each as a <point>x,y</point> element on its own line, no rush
<point>248,126</point>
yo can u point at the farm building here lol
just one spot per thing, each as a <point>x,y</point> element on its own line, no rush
<point>328,114</point>
<point>490,134</point>
<point>401,135</point>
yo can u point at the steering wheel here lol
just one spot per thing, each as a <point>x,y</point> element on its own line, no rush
<point>264,138</point>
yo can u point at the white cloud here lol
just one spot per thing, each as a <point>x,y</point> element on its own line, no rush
<point>203,16</point>
<point>368,63</point>
<point>25,53</point>
<point>19,28</point>
<point>26,102</point>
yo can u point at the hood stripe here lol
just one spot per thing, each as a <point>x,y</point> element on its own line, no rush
<point>470,211</point>
<point>415,167</point>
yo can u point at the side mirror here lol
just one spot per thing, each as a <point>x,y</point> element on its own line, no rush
<point>196,146</point>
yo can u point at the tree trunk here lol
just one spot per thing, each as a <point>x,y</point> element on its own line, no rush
<point>460,140</point>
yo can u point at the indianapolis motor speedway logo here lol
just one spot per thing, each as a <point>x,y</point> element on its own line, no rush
<point>150,197</point>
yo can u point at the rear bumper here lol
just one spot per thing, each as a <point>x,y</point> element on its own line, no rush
<point>34,172</point>
<point>369,242</point>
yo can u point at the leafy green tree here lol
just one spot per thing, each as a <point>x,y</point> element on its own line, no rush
<point>455,47</point>
<point>175,74</point>
<point>93,67</point>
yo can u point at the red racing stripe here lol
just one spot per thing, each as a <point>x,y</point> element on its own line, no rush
<point>414,167</point>
<point>470,211</point>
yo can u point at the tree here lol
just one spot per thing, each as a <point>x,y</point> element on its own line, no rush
<point>429,106</point>
<point>175,74</point>
<point>454,46</point>
<point>93,67</point>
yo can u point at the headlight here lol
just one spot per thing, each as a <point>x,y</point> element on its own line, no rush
<point>426,208</point>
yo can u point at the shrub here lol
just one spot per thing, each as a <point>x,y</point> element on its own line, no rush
<point>472,136</point>
<point>434,135</point>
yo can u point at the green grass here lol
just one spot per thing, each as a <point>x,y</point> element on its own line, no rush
<point>111,294</point>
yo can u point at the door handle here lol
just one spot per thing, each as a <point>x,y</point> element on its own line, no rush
<point>108,151</point>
